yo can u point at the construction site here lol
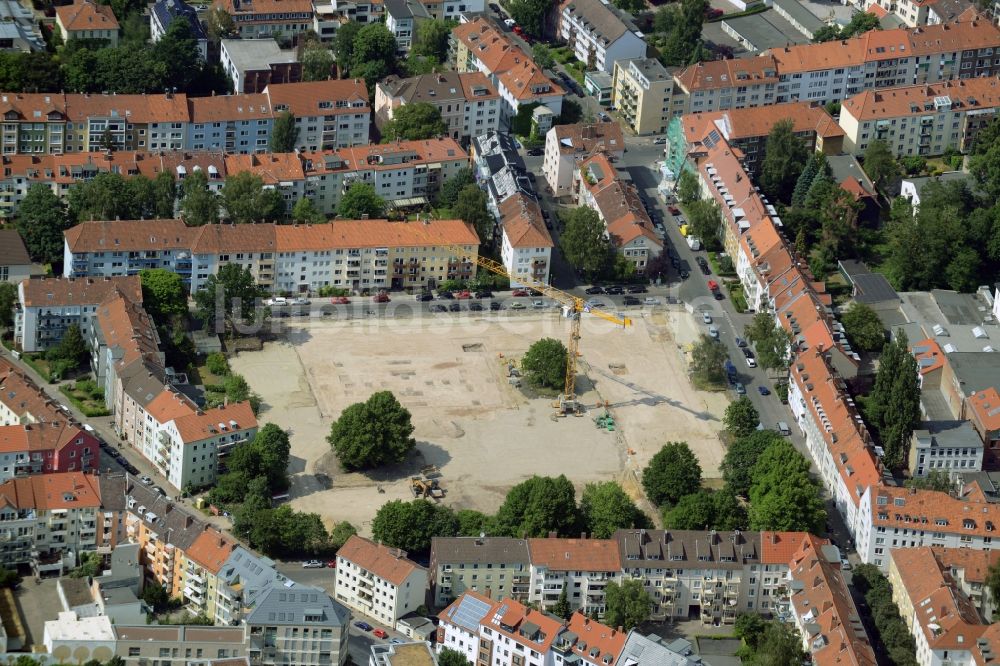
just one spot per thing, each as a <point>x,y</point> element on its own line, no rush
<point>478,432</point>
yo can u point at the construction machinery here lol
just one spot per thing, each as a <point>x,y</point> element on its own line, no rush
<point>573,307</point>
<point>426,488</point>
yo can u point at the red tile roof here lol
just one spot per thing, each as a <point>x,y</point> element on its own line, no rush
<point>778,547</point>
<point>558,554</point>
<point>210,550</point>
<point>66,490</point>
<point>985,405</point>
<point>215,422</point>
<point>86,15</point>
<point>592,635</point>
<point>389,564</point>
<point>59,291</point>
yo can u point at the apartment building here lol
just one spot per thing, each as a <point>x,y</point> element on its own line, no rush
<point>599,33</point>
<point>48,306</point>
<point>48,521</point>
<point>567,145</point>
<point>254,64</point>
<point>642,91</point>
<point>468,102</point>
<point>379,581</point>
<point>582,567</point>
<point>725,84</point>
<point>401,18</point>
<point>15,264</point>
<point>165,12</point>
<point>747,129</point>
<point>821,607</point>
<point>328,114</point>
<point>949,447</point>
<point>452,10</point>
<point>494,566</point>
<point>915,13</point>
<point>967,571</point>
<point>923,119</point>
<point>268,18</point>
<point>983,410</point>
<point>328,15</point>
<point>86,19</point>
<point>302,625</point>
<point>481,46</point>
<point>525,242</point>
<point>618,205</point>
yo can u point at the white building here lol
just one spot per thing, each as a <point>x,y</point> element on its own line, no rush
<point>401,18</point>
<point>69,633</point>
<point>165,12</point>
<point>246,61</point>
<point>526,246</point>
<point>567,145</point>
<point>599,33</point>
<point>948,447</point>
<point>379,581</point>
<point>583,567</point>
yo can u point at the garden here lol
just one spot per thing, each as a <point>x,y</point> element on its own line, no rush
<point>86,396</point>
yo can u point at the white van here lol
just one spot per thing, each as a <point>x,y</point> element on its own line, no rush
<point>784,429</point>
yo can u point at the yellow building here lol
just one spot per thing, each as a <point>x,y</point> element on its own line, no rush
<point>641,91</point>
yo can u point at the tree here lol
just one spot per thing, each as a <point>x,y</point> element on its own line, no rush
<point>305,212</point>
<point>783,496</point>
<point>531,15</point>
<point>317,63</point>
<point>164,191</point>
<point>540,505</point>
<point>284,133</point>
<point>72,348</point>
<point>741,417</point>
<point>704,221</point>
<point>229,299</point>
<point>432,38</point>
<point>8,297</point>
<point>707,359</point>
<point>816,167</point>
<point>934,480</point>
<point>770,340</point>
<point>688,189</point>
<point>41,220</point>
<point>542,54</point>
<point>585,243</point>
<point>779,645</point>
<point>199,205</point>
<point>672,473</point>
<point>163,294</point>
<point>340,533</point>
<point>412,122</point>
<point>343,46</point>
<point>683,43</point>
<point>372,433</point>
<point>626,604</point>
<point>90,565</point>
<point>750,628</point>
<point>411,525</point>
<point>570,113</point>
<point>452,186</point>
<point>604,508</point>
<point>741,456</point>
<point>784,159</point>
<point>156,597</point>
<point>561,608</point>
<point>374,55</point>
<point>9,577</point>
<point>474,523</point>
<point>220,24</point>
<point>691,512</point>
<point>993,582</point>
<point>361,200</point>
<point>471,207</point>
<point>217,364</point>
<point>863,328</point>
<point>266,456</point>
<point>880,164</point>
<point>247,200</point>
<point>545,363</point>
<point>894,404</point>
<point>449,657</point>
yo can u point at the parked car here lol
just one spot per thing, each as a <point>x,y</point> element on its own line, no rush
<point>714,332</point>
<point>746,352</point>
<point>363,626</point>
<point>301,300</point>
<point>455,307</point>
<point>613,290</point>
<point>683,274</point>
<point>396,641</point>
<point>740,342</point>
<point>707,318</point>
<point>594,290</point>
<point>519,292</point>
<point>637,289</point>
<point>425,296</point>
<point>740,389</point>
<point>844,564</point>
<point>380,633</point>
<point>538,305</point>
<point>517,305</point>
<point>340,300</point>
<point>632,300</point>
<point>146,480</point>
<point>783,428</point>
<point>763,390</point>
<point>447,295</point>
<point>509,22</point>
<point>495,7</point>
<point>751,362</point>
<point>650,300</point>
<point>594,303</point>
<point>276,301</point>
<point>476,307</point>
<point>312,564</point>
<point>703,265</point>
<point>160,490</point>
<point>332,564</point>
<point>381,297</point>
<point>495,305</point>
<point>674,210</point>
<point>484,293</point>
<point>659,142</point>
<point>437,307</point>
<point>465,293</point>
<point>536,152</point>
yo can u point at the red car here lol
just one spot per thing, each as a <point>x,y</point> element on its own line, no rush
<point>674,210</point>
<point>518,31</point>
<point>465,293</point>
<point>381,298</point>
<point>519,292</point>
<point>340,300</point>
<point>380,633</point>
<point>332,564</point>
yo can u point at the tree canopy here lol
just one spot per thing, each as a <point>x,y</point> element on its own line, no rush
<point>373,56</point>
<point>199,204</point>
<point>893,407</point>
<point>540,505</point>
<point>230,299</point>
<point>8,297</point>
<point>531,15</point>
<point>545,363</point>
<point>471,207</point>
<point>284,133</point>
<point>741,456</point>
<point>770,340</point>
<point>604,508</point>
<point>684,44</point>
<point>372,433</point>
<point>627,604</point>
<point>360,200</point>
<point>585,243</point>
<point>163,294</point>
<point>453,185</point>
<point>707,359</point>
<point>431,39</point>
<point>411,525</point>
<point>785,157</point>
<point>672,473</point>
<point>705,509</point>
<point>41,220</point>
<point>246,199</point>
<point>880,164</point>
<point>783,495</point>
<point>741,417</point>
<point>863,328</point>
<point>317,63</point>
<point>411,122</point>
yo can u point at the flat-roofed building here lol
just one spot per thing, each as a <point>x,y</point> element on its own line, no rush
<point>642,90</point>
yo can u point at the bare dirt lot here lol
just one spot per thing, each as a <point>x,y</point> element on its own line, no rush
<point>483,434</point>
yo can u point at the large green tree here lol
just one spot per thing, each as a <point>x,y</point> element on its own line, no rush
<point>684,44</point>
<point>783,495</point>
<point>671,474</point>
<point>41,219</point>
<point>284,133</point>
<point>545,363</point>
<point>374,54</point>
<point>604,508</point>
<point>317,62</point>
<point>741,457</point>
<point>361,200</point>
<point>531,15</point>
<point>453,185</point>
<point>412,122</point>
<point>305,212</point>
<point>230,299</point>
<point>537,506</point>
<point>863,328</point>
<point>471,206</point>
<point>343,46</point>
<point>449,657</point>
<point>266,455</point>
<point>246,199</point>
<point>880,164</point>
<point>741,418</point>
<point>688,189</point>
<point>894,404</point>
<point>199,204</point>
<point>770,340</point>
<point>8,297</point>
<point>785,157</point>
<point>163,294</point>
<point>585,243</point>
<point>704,221</point>
<point>373,433</point>
<point>431,39</point>
<point>706,509</point>
<point>627,604</point>
<point>707,358</point>
<point>412,525</point>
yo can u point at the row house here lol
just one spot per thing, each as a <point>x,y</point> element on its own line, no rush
<point>328,114</point>
<point>820,606</point>
<point>915,13</point>
<point>481,46</point>
<point>925,119</point>
<point>499,170</point>
<point>718,85</point>
<point>468,102</point>
<point>505,632</point>
<point>46,307</point>
<point>352,254</point>
<point>568,145</point>
<point>379,581</point>
<point>968,571</point>
<point>494,566</point>
<point>268,18</point>
<point>617,203</point>
<point>38,436</point>
<point>48,521</point>
<point>580,567</point>
<point>599,34</point>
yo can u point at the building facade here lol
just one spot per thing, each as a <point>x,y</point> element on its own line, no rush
<point>379,581</point>
<point>468,102</point>
<point>599,33</point>
<point>642,92</point>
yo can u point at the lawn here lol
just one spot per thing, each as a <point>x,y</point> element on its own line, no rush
<point>703,383</point>
<point>576,69</point>
<point>86,396</point>
<point>737,296</point>
<point>39,364</point>
<point>715,260</point>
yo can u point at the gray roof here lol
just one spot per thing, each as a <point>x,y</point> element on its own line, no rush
<point>988,482</point>
<point>606,21</point>
<point>12,250</point>
<point>801,15</point>
<point>765,31</point>
<point>844,166</point>
<point>440,87</point>
<point>255,573</point>
<point>404,9</point>
<point>497,143</point>
<point>957,322</point>
<point>650,650</point>
<point>166,11</point>
<point>292,606</point>
<point>945,434</point>
<point>685,549</point>
<point>477,550</point>
<point>257,54</point>
<point>920,182</point>
<point>948,10</point>
<point>76,591</point>
<point>651,68</point>
<point>118,595</point>
<point>869,288</point>
<point>976,371</point>
<point>174,524</point>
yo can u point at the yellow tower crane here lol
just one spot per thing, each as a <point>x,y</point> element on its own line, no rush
<point>572,307</point>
